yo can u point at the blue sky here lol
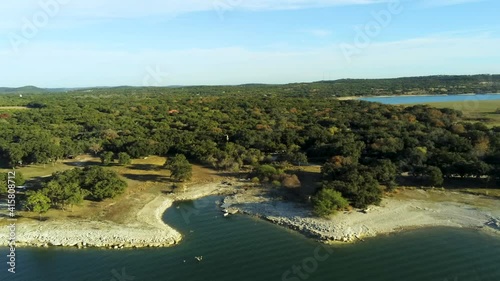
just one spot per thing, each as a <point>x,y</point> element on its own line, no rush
<point>76,43</point>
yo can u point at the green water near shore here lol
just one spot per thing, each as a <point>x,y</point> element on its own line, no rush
<point>245,248</point>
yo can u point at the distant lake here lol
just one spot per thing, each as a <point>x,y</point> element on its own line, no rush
<point>431,99</point>
<point>244,248</point>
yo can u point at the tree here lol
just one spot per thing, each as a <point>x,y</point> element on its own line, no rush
<point>102,183</point>
<point>37,202</point>
<point>360,189</point>
<point>180,168</point>
<point>74,194</point>
<point>328,201</point>
<point>429,175</point>
<point>266,172</point>
<point>19,180</point>
<point>297,158</point>
<point>139,148</point>
<point>95,148</point>
<point>124,158</point>
<point>15,154</point>
<point>106,157</point>
<point>64,194</point>
<point>54,191</point>
<point>385,173</point>
<point>338,167</point>
<point>107,188</point>
<point>434,176</point>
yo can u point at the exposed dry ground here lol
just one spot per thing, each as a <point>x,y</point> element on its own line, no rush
<point>134,219</point>
<point>130,220</point>
<point>405,210</point>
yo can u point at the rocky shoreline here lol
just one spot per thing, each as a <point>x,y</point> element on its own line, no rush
<point>147,229</point>
<point>392,216</point>
<point>92,235</point>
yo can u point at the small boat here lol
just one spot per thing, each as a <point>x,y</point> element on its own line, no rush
<point>200,258</point>
<point>226,214</point>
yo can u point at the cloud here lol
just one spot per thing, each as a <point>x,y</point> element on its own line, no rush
<point>321,33</point>
<point>144,8</point>
<point>82,65</point>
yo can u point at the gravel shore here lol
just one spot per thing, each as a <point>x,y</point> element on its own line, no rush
<point>147,229</point>
<point>391,216</point>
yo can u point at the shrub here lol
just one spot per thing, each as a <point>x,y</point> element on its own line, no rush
<point>328,201</point>
<point>124,158</point>
<point>107,157</point>
<point>290,181</point>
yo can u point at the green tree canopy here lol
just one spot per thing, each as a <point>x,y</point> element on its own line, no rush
<point>179,167</point>
<point>37,202</point>
<point>102,183</point>
<point>124,158</point>
<point>106,157</point>
<point>328,201</point>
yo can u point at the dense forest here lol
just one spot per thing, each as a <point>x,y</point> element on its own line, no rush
<point>362,146</point>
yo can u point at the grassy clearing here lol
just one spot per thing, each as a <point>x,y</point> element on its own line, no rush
<point>475,111</point>
<point>442,195</point>
<point>146,178</point>
<point>34,171</point>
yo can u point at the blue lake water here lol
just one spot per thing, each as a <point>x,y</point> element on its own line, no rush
<point>243,248</point>
<point>431,99</point>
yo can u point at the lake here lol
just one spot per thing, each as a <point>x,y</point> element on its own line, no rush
<point>244,248</point>
<point>431,99</point>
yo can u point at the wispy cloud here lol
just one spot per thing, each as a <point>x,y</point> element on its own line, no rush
<point>236,65</point>
<point>133,8</point>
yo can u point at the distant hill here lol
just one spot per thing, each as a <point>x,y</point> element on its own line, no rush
<point>434,85</point>
<point>30,89</point>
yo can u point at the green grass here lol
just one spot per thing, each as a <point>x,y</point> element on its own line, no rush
<point>475,111</point>
<point>33,171</point>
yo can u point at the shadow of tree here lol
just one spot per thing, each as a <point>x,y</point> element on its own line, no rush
<point>83,164</point>
<point>145,167</point>
<point>149,177</point>
<point>310,182</point>
<point>234,174</point>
